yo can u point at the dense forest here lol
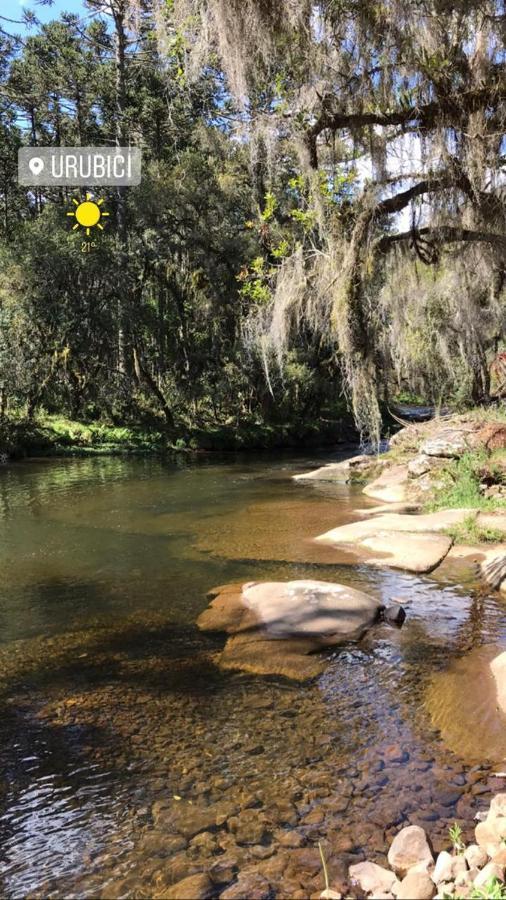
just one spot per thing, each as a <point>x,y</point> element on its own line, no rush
<point>320,223</point>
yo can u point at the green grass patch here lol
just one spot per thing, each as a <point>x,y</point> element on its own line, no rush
<point>470,532</point>
<point>460,485</point>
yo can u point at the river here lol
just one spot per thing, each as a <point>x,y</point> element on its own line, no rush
<point>114,713</point>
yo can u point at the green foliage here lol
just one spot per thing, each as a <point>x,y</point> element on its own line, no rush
<point>492,890</point>
<point>455,833</point>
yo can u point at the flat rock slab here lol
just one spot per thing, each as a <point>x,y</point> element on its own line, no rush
<point>420,552</point>
<point>341,471</point>
<point>431,522</point>
<point>391,486</point>
<point>275,625</point>
<point>494,521</point>
<point>401,507</point>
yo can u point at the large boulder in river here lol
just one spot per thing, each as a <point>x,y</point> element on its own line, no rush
<point>275,625</point>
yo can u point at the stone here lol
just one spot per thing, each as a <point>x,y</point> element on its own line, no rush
<point>448,443</point>
<point>416,886</point>
<point>420,553</point>
<point>493,566</point>
<point>475,856</point>
<point>405,507</point>
<point>498,806</point>
<point>329,894</point>
<point>195,887</point>
<point>274,626</point>
<point>184,818</point>
<point>494,521</point>
<point>419,465</point>
<point>371,878</point>
<point>435,522</point>
<point>394,614</point>
<point>443,870</point>
<point>395,753</point>
<point>342,471</point>
<point>488,834</point>
<point>498,669</point>
<point>249,827</point>
<point>492,436</point>
<point>251,885</point>
<point>224,869</point>
<point>491,870</point>
<point>500,858</point>
<point>390,486</point>
<point>409,848</point>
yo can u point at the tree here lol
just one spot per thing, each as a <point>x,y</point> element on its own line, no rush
<point>412,96</point>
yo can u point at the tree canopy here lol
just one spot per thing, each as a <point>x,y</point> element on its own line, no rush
<point>322,208</point>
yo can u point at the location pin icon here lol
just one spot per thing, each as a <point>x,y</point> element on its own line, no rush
<point>36,164</point>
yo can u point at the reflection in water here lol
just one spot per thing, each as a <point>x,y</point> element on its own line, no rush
<point>115,717</point>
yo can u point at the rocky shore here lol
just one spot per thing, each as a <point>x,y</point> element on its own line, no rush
<point>415,873</point>
<point>410,478</point>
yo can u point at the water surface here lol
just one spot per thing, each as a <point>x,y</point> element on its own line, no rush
<point>116,721</point>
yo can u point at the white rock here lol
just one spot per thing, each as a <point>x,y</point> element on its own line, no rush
<point>409,848</point>
<point>329,894</point>
<point>491,870</point>
<point>371,877</point>
<point>443,870</point>
<point>475,856</point>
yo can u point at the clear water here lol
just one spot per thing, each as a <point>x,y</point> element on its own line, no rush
<point>114,712</point>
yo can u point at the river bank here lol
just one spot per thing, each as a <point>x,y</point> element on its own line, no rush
<point>54,435</point>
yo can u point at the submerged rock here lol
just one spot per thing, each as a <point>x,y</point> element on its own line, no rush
<point>275,625</point>
<point>195,887</point>
<point>498,669</point>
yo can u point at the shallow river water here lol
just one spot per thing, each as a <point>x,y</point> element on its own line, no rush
<point>129,762</point>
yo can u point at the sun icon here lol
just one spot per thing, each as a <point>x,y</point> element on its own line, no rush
<point>88,214</point>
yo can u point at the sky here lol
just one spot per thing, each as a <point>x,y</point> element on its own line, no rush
<point>13,9</point>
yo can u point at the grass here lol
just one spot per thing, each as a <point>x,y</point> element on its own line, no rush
<point>51,435</point>
<point>460,488</point>
<point>470,532</point>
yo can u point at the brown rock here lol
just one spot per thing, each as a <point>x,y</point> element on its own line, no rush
<point>251,885</point>
<point>196,887</point>
<point>408,849</point>
<point>224,869</point>
<point>249,827</point>
<point>187,819</point>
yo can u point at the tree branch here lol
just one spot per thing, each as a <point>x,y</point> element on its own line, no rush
<point>447,234</point>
